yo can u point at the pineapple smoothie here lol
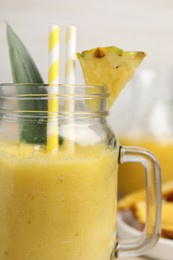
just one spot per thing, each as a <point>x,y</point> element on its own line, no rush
<point>57,207</point>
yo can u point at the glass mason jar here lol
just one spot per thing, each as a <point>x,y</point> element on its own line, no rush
<point>60,201</point>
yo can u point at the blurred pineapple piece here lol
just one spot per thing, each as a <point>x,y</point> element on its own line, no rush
<point>136,202</point>
<point>167,213</point>
<point>129,200</point>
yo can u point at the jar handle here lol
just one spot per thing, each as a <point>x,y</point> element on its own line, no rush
<point>149,236</point>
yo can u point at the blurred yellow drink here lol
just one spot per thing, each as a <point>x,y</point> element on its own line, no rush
<point>131,176</point>
<point>57,207</point>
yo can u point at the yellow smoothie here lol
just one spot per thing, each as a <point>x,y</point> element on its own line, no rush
<point>57,207</point>
<point>135,174</point>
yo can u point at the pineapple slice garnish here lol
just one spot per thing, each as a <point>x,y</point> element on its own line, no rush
<point>110,67</point>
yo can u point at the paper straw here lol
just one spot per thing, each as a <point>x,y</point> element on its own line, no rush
<point>70,65</point>
<point>70,55</point>
<point>70,78</point>
<point>53,78</point>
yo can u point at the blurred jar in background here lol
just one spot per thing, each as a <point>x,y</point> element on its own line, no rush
<point>145,118</point>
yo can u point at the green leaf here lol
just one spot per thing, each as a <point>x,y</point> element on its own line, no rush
<point>24,70</point>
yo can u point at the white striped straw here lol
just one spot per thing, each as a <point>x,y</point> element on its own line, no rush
<point>52,128</point>
<point>70,55</point>
<point>70,77</point>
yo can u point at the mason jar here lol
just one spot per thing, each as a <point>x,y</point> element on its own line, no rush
<point>58,176</point>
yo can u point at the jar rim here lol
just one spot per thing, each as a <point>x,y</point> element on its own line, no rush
<point>69,89</point>
<point>32,99</point>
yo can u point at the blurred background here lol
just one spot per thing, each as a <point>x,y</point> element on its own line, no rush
<point>142,114</point>
<point>130,24</point>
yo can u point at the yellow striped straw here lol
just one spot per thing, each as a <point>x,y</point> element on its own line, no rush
<point>53,78</point>
<point>70,79</point>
